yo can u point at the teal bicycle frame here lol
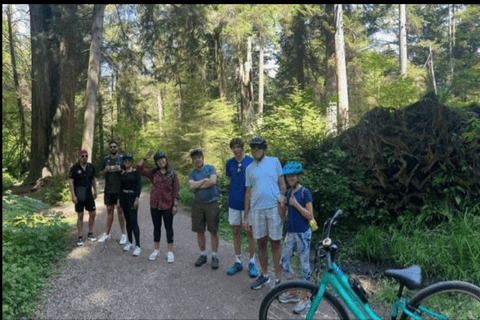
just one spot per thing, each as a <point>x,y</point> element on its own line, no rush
<point>339,282</point>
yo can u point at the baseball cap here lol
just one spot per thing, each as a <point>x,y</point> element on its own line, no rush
<point>82,153</point>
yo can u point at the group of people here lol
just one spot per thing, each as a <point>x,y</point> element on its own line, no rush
<point>263,198</point>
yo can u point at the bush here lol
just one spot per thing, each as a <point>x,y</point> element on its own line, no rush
<point>31,243</point>
<point>7,180</point>
<point>56,190</point>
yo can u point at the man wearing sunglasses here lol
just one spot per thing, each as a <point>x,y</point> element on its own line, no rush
<point>81,180</point>
<point>235,170</point>
<point>112,166</point>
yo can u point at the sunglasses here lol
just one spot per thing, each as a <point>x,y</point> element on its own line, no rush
<point>84,156</point>
<point>113,147</point>
<point>239,167</point>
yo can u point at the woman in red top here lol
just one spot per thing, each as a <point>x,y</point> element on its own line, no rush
<point>163,199</point>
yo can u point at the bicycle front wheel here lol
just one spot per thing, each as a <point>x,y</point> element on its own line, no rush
<point>451,299</point>
<point>285,301</point>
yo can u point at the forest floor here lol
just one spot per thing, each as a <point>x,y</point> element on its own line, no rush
<point>100,280</point>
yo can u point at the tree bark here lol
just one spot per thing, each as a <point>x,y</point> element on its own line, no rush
<point>92,82</point>
<point>261,83</point>
<point>403,39</point>
<point>341,68</point>
<point>45,78</point>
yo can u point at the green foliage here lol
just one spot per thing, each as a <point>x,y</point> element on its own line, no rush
<point>57,190</point>
<point>7,180</point>
<point>449,251</point>
<point>31,242</point>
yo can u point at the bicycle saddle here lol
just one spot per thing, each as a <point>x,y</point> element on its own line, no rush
<point>411,277</point>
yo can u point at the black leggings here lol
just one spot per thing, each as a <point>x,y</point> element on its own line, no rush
<point>157,223</point>
<point>126,202</point>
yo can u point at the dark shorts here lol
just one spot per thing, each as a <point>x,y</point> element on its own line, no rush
<point>111,199</point>
<point>88,204</point>
<point>205,216</point>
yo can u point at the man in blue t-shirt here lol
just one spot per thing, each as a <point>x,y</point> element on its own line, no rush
<point>203,182</point>
<point>235,170</point>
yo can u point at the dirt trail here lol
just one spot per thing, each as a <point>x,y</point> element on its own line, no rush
<point>100,280</point>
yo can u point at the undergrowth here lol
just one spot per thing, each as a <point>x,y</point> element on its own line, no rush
<point>31,242</point>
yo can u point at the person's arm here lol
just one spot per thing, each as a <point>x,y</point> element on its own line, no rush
<point>94,185</point>
<point>138,190</point>
<point>192,185</point>
<point>306,211</point>
<point>210,181</point>
<point>72,190</point>
<point>283,189</point>
<point>246,220</point>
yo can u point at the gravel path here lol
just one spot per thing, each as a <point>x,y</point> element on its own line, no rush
<point>101,281</point>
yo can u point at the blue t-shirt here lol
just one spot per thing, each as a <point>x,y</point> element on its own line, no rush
<point>295,221</point>
<point>204,195</point>
<point>236,199</point>
<point>263,179</point>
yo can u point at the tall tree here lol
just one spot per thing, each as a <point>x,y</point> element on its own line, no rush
<point>403,38</point>
<point>341,68</point>
<point>92,81</point>
<point>45,86</point>
<point>11,40</point>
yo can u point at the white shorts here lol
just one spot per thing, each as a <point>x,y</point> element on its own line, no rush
<point>235,217</point>
<point>266,222</point>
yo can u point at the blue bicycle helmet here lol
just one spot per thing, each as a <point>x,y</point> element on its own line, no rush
<point>127,156</point>
<point>292,167</point>
<point>258,141</point>
<point>159,155</point>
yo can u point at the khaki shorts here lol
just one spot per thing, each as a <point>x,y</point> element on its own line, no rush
<point>205,216</point>
<point>266,222</point>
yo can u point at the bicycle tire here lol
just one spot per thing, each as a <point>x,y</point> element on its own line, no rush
<point>454,299</point>
<point>272,308</point>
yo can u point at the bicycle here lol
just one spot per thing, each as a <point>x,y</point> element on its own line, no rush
<point>443,300</point>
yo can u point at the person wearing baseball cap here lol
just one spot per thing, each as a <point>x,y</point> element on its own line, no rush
<point>81,181</point>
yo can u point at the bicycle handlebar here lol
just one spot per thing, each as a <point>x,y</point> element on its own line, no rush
<point>331,222</point>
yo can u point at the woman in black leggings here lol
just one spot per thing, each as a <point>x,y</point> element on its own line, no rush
<point>129,198</point>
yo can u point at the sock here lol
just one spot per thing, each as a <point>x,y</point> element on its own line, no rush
<point>238,259</point>
<point>252,259</point>
<point>214,254</point>
<point>204,253</point>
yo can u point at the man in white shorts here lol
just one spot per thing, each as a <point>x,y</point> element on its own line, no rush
<point>265,192</point>
<point>235,170</point>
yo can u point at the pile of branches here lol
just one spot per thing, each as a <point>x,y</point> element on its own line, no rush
<point>417,155</point>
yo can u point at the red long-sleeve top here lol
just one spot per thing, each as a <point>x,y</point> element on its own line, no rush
<point>165,187</point>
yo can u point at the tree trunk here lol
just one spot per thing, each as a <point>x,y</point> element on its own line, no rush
<point>451,39</point>
<point>219,64</point>
<point>62,155</point>
<point>330,81</point>
<point>432,72</point>
<point>261,82</point>
<point>45,78</point>
<point>403,39</point>
<point>92,82</point>
<point>341,68</point>
<point>299,35</point>
<point>11,40</point>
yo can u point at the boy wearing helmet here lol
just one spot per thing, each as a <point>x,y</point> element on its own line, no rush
<point>265,191</point>
<point>298,212</point>
<point>203,182</point>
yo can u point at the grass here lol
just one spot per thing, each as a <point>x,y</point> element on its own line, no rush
<point>32,241</point>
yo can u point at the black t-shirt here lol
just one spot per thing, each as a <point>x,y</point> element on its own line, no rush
<point>132,181</point>
<point>81,177</point>
<point>112,179</point>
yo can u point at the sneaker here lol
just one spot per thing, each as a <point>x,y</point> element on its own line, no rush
<point>301,306</point>
<point>252,270</point>
<point>128,247</point>
<point>170,257</point>
<point>80,242</point>
<point>288,297</point>
<point>201,260</point>
<point>137,251</point>
<point>214,262</point>
<point>153,256</point>
<point>237,267</point>
<point>104,237</point>
<point>260,282</point>
<point>123,239</point>
<point>91,237</point>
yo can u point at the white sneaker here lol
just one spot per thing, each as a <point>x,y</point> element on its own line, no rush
<point>137,251</point>
<point>123,239</point>
<point>171,257</point>
<point>104,237</point>
<point>154,255</point>
<point>128,247</point>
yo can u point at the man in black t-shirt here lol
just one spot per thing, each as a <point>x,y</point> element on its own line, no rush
<point>81,180</point>
<point>111,167</point>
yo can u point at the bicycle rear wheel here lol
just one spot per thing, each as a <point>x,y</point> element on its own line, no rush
<point>453,299</point>
<point>272,306</point>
